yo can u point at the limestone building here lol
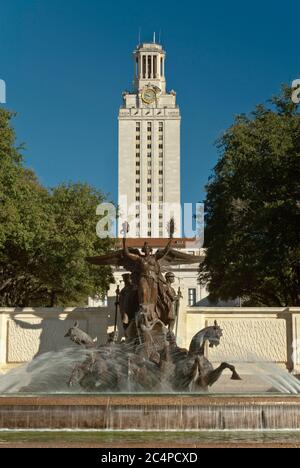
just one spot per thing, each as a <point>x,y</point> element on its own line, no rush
<point>149,149</point>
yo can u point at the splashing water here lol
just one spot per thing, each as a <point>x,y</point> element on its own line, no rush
<point>279,378</point>
<point>46,373</point>
<point>50,372</point>
<point>272,374</point>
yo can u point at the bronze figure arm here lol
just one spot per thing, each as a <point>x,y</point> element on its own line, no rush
<point>127,253</point>
<point>160,254</point>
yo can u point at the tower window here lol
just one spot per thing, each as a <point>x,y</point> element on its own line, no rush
<point>149,146</point>
<point>149,137</point>
<point>161,172</point>
<point>149,66</point>
<point>161,146</point>
<point>138,126</point>
<point>161,163</point>
<point>149,181</point>
<point>149,127</point>
<point>161,155</point>
<point>137,198</point>
<point>149,233</point>
<point>161,198</point>
<point>137,172</point>
<point>149,154</point>
<point>149,163</point>
<point>161,137</point>
<point>160,127</point>
<point>192,296</point>
<point>137,163</point>
<point>149,189</point>
<point>138,155</point>
<point>149,198</point>
<point>137,146</point>
<point>149,172</point>
<point>155,66</point>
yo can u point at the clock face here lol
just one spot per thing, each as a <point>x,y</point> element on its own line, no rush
<point>148,95</point>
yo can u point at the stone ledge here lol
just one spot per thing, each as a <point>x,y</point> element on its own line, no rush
<point>147,400</point>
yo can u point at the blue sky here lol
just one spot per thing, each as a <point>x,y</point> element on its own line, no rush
<point>67,62</point>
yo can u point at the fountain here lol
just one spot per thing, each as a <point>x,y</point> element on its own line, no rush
<point>142,381</point>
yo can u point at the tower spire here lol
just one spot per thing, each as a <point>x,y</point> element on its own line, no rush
<point>154,38</point>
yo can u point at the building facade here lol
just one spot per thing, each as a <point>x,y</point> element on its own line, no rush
<point>149,149</point>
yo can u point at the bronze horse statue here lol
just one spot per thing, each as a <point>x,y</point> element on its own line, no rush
<point>193,371</point>
<point>125,366</point>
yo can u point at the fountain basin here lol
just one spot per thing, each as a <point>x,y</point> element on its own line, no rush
<point>150,412</point>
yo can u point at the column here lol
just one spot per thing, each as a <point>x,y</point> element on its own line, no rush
<point>3,338</point>
<point>147,71</point>
<point>294,350</point>
<point>143,66</point>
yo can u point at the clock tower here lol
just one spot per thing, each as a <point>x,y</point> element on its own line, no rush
<point>149,149</point>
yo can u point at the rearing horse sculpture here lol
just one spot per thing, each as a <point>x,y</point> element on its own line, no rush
<point>193,371</point>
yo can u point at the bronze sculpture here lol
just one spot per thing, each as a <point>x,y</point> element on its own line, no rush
<point>172,299</point>
<point>128,300</point>
<point>148,358</point>
<point>147,279</point>
<point>119,367</point>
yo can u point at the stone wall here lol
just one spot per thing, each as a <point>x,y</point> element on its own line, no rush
<point>249,334</point>
<point>26,333</point>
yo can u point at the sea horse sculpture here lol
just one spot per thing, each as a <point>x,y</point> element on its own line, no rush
<point>193,371</point>
<point>124,366</point>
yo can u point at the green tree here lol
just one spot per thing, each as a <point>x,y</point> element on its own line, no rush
<point>253,209</point>
<point>45,235</point>
<point>73,238</point>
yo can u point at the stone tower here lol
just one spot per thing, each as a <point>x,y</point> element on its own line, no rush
<point>149,149</point>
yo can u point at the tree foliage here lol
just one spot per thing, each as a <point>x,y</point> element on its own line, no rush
<point>253,209</point>
<point>45,235</point>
